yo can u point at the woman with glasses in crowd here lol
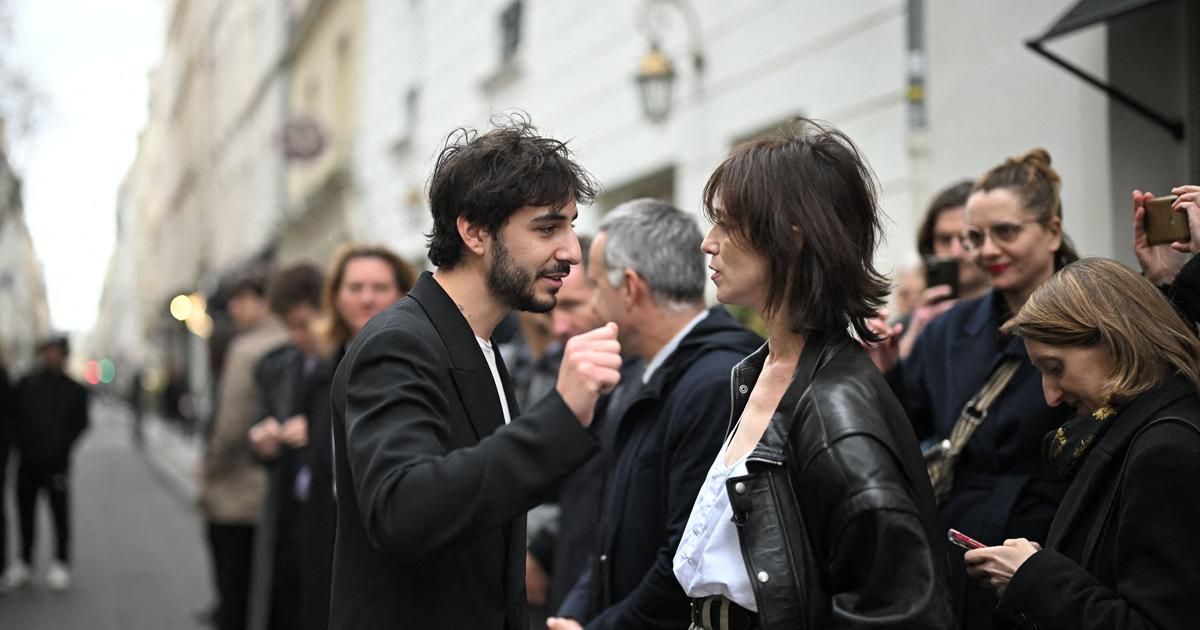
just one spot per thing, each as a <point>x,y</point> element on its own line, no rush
<point>1000,487</point>
<point>1121,552</point>
<point>817,512</point>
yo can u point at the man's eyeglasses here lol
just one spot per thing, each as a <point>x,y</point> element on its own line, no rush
<point>973,237</point>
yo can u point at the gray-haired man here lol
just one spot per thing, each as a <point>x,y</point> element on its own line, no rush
<point>649,273</point>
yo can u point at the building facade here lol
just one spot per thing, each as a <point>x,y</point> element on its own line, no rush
<point>24,314</point>
<point>430,67</point>
<point>279,129</point>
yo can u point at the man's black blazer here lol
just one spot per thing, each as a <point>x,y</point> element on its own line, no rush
<point>432,487</point>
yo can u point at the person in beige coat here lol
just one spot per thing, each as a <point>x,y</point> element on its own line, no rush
<point>233,485</point>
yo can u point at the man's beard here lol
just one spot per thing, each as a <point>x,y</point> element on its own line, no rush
<point>513,286</point>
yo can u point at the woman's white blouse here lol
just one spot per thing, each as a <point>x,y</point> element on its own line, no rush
<point>709,559</point>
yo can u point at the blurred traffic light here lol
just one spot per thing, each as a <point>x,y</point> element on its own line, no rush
<point>91,372</point>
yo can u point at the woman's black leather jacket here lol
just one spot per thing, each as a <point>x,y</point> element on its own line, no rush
<point>836,518</point>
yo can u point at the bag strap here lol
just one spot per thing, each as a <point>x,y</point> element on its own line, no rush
<point>976,409</point>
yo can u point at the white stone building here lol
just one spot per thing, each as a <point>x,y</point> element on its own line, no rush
<point>428,67</point>
<point>24,314</point>
<point>931,91</point>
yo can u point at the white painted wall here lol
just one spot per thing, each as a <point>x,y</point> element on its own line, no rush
<point>990,97</point>
<point>574,74</point>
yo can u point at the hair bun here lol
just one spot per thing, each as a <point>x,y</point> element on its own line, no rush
<point>1036,156</point>
<point>1037,159</point>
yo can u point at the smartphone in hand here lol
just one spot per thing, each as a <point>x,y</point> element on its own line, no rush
<point>962,540</point>
<point>942,271</point>
<point>1163,224</point>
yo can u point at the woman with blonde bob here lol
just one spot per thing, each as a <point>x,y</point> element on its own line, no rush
<point>1120,552</point>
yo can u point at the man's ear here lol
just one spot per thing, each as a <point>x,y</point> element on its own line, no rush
<point>634,288</point>
<point>475,237</point>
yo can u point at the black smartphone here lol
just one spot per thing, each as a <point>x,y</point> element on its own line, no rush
<point>942,271</point>
<point>1163,224</point>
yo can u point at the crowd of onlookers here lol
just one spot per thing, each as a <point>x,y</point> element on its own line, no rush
<point>1044,406</point>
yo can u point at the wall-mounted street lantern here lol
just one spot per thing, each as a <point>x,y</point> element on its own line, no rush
<point>656,81</point>
<point>656,73</point>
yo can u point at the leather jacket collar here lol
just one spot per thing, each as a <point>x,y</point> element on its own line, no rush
<point>772,448</point>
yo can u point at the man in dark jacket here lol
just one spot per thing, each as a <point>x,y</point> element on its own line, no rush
<point>52,412</point>
<point>649,275</point>
<point>281,440</point>
<point>435,466</point>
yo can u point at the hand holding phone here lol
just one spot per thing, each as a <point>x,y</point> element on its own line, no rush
<point>962,540</point>
<point>1163,223</point>
<point>942,271</point>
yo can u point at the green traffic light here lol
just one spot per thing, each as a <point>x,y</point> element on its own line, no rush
<point>108,371</point>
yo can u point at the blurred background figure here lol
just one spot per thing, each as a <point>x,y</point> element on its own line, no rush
<point>137,393</point>
<point>51,414</point>
<point>910,282</point>
<point>559,551</point>
<point>7,424</point>
<point>233,485</point>
<point>939,237</point>
<point>938,240</point>
<point>280,439</point>
<point>532,357</point>
<point>362,281</point>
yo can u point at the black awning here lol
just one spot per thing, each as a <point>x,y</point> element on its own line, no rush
<point>1089,12</point>
<point>1086,13</point>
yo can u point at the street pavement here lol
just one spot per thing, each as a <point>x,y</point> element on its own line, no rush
<point>139,559</point>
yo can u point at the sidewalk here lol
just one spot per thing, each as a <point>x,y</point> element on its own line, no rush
<point>138,559</point>
<point>172,456</point>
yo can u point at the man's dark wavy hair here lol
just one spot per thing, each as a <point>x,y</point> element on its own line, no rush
<point>486,178</point>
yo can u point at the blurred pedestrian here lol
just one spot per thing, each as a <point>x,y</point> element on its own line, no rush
<point>972,392</point>
<point>649,275</point>
<point>436,465</point>
<point>52,412</point>
<point>1119,553</point>
<point>280,439</point>
<point>817,512</point>
<point>7,426</point>
<point>136,396</point>
<point>938,237</point>
<point>939,240</point>
<point>233,485</point>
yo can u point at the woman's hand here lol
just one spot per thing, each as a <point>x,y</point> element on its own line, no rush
<point>933,302</point>
<point>264,438</point>
<point>884,353</point>
<point>1160,263</point>
<point>1189,203</point>
<point>294,431</point>
<point>996,565</point>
